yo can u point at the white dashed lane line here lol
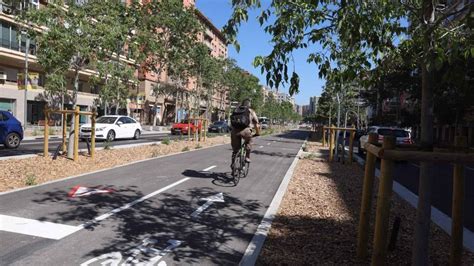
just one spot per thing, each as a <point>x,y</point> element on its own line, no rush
<point>209,168</point>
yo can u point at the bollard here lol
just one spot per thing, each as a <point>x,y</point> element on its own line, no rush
<point>383,206</point>
<point>46,133</point>
<point>205,129</point>
<point>331,145</point>
<point>369,174</point>
<point>64,116</point>
<point>351,146</point>
<point>324,136</point>
<point>93,134</point>
<point>189,129</point>
<point>76,133</point>
<point>457,206</point>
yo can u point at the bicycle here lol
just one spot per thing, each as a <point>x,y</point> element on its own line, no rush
<point>240,168</point>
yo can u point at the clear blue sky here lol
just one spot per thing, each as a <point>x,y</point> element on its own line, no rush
<point>254,41</point>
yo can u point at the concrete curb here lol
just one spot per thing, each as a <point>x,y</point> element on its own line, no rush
<point>255,246</point>
<point>437,216</point>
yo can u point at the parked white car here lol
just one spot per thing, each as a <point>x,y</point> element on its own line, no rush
<point>402,136</point>
<point>113,127</point>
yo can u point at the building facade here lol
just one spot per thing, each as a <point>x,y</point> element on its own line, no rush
<point>142,105</point>
<point>313,105</point>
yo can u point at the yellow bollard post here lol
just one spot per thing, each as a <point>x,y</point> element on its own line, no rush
<point>76,133</point>
<point>457,206</point>
<point>324,136</point>
<point>200,125</point>
<point>64,123</point>
<point>351,145</point>
<point>383,206</point>
<point>189,129</point>
<point>46,132</point>
<point>331,144</point>
<point>369,174</point>
<point>93,134</point>
<point>206,122</point>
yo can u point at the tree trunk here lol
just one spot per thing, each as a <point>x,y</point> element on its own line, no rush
<point>70,144</point>
<point>423,218</point>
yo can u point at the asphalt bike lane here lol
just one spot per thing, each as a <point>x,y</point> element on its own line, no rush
<point>162,227</point>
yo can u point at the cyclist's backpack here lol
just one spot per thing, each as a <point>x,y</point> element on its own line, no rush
<point>240,118</point>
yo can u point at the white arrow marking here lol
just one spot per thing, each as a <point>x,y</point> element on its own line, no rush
<point>260,147</point>
<point>268,143</point>
<point>209,168</point>
<point>219,197</point>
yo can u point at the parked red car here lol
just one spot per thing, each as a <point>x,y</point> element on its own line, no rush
<point>182,127</point>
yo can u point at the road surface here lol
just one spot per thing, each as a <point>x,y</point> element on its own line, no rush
<point>407,173</point>
<point>167,210</point>
<point>36,146</point>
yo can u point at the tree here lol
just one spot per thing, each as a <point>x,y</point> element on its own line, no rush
<point>69,42</point>
<point>166,36</point>
<point>242,85</point>
<point>367,30</point>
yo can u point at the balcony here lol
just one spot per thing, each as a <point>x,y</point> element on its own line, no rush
<point>12,7</point>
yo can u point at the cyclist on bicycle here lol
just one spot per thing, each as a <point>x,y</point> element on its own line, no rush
<point>243,119</point>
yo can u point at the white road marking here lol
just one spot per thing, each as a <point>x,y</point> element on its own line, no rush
<point>417,166</point>
<point>35,228</point>
<point>128,205</point>
<point>260,147</point>
<point>57,231</point>
<point>152,255</point>
<point>209,168</point>
<point>219,197</point>
<point>268,143</point>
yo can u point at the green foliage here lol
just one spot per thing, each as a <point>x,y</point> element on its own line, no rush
<point>243,85</point>
<point>198,146</point>
<point>108,145</point>
<point>185,149</point>
<point>30,180</point>
<point>166,141</point>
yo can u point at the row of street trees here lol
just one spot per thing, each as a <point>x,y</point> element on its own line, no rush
<point>352,38</point>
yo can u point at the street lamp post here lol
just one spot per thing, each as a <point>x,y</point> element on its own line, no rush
<point>26,80</point>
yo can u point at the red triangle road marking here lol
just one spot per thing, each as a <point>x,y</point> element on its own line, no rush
<point>80,191</point>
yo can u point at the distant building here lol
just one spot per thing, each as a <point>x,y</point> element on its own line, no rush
<point>313,104</point>
<point>299,109</point>
<point>305,110</point>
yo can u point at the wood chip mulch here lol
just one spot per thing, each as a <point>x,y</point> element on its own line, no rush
<point>318,219</point>
<point>15,173</point>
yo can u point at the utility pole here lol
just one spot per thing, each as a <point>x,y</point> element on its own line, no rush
<point>26,80</point>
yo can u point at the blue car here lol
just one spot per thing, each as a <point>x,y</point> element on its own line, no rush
<point>11,132</point>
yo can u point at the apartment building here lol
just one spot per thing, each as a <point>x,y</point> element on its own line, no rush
<point>142,103</point>
<point>13,54</point>
<point>174,108</point>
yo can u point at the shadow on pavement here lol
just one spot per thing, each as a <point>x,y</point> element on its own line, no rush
<point>218,179</point>
<point>210,237</point>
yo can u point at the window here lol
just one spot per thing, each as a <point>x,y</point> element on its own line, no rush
<point>2,117</point>
<point>123,120</point>
<point>128,120</point>
<point>12,39</point>
<point>5,35</point>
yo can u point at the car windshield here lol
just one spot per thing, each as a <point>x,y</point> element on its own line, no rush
<point>184,122</point>
<point>218,123</point>
<point>393,132</point>
<point>106,120</point>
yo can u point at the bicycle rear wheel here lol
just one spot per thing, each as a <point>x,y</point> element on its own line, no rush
<point>237,169</point>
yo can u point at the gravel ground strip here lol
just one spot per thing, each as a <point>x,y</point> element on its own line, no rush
<point>17,173</point>
<point>318,218</point>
